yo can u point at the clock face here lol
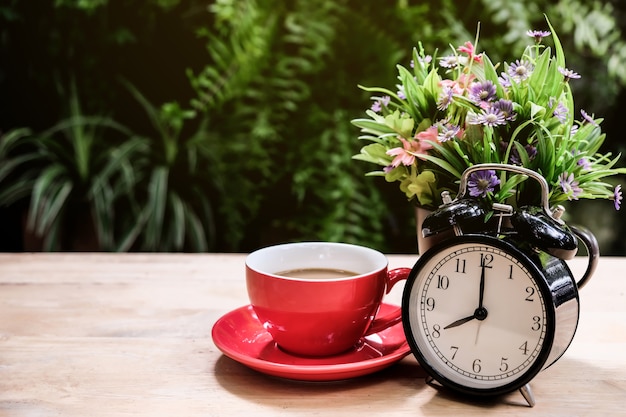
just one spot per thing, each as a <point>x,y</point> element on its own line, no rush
<point>477,316</point>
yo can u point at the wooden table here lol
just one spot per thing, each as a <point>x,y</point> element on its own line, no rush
<point>130,334</point>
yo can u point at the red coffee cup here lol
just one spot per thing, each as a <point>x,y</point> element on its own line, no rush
<point>320,298</point>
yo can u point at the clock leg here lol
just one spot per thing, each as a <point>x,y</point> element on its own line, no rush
<point>528,395</point>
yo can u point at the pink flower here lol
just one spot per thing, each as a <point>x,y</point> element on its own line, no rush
<point>452,85</point>
<point>465,80</point>
<point>460,85</point>
<point>410,149</point>
<point>431,134</point>
<point>468,48</point>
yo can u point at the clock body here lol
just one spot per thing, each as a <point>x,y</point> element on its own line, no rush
<point>483,315</point>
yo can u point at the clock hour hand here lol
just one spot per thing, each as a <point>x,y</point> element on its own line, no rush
<point>479,314</point>
<point>460,321</point>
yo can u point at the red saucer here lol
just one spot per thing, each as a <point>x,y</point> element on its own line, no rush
<point>240,336</point>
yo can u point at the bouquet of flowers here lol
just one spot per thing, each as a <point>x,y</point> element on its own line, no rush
<point>451,112</point>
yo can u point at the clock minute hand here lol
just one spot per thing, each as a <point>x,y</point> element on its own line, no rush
<point>481,294</point>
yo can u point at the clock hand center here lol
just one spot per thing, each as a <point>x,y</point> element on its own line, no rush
<point>479,314</point>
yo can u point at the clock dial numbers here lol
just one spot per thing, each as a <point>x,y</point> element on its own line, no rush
<point>443,282</point>
<point>460,265</point>
<point>481,316</point>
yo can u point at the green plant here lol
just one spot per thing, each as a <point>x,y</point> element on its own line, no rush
<point>270,81</point>
<point>458,110</point>
<point>79,169</point>
<point>264,82</point>
<point>174,206</point>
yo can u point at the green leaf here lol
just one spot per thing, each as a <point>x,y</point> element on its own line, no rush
<point>507,187</point>
<point>396,174</point>
<point>11,165</point>
<point>197,237</point>
<point>454,156</point>
<point>16,191</point>
<point>156,205</point>
<point>49,183</point>
<point>383,91</point>
<point>10,140</point>
<point>536,111</point>
<point>442,163</point>
<point>373,127</point>
<point>422,187</point>
<point>177,224</point>
<point>374,153</point>
<point>537,80</point>
<point>420,68</point>
<point>103,216</point>
<point>133,232</point>
<point>400,124</point>
<point>560,55</point>
<point>414,100</point>
<point>151,111</point>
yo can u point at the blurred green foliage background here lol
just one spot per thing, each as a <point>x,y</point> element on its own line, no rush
<point>173,125</point>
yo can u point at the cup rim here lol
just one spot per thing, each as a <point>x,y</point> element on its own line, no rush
<point>379,258</point>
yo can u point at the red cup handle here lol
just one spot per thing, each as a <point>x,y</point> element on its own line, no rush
<point>390,319</point>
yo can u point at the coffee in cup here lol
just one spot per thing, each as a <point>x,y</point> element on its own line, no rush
<point>320,298</point>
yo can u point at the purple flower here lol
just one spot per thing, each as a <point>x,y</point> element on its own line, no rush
<point>520,70</point>
<point>481,183</point>
<point>505,80</point>
<point>514,157</point>
<point>482,92</point>
<point>568,74</point>
<point>401,93</point>
<point>450,61</point>
<point>617,196</point>
<point>560,112</point>
<point>538,34</point>
<point>488,117</point>
<point>447,131</point>
<point>445,98</point>
<point>506,108</point>
<point>377,106</point>
<point>587,118</point>
<point>584,164</point>
<point>424,60</point>
<point>569,186</point>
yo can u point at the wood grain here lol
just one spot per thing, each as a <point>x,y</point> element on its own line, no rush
<point>130,335</point>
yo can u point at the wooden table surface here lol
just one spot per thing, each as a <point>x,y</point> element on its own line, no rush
<point>130,335</point>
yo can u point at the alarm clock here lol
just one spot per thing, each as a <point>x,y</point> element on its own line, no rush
<point>485,310</point>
